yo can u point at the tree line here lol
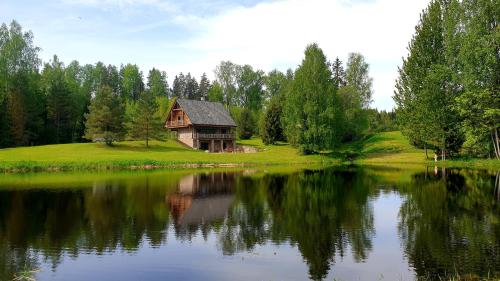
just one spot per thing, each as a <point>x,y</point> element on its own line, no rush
<point>315,107</point>
<point>447,93</point>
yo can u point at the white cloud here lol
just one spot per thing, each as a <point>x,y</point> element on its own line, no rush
<point>275,34</point>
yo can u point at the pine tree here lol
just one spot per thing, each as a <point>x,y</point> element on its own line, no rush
<point>204,87</point>
<point>105,119</point>
<point>61,102</point>
<point>191,90</point>
<point>339,76</point>
<point>272,131</point>
<point>157,83</point>
<point>145,121</point>
<point>179,86</point>
<point>246,124</point>
<point>131,83</point>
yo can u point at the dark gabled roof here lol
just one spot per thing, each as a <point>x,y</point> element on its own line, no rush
<point>206,113</point>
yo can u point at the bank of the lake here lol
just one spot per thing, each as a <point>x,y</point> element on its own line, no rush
<point>389,148</point>
<point>160,154</point>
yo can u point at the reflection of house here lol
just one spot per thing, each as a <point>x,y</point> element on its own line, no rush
<point>202,125</point>
<point>202,198</point>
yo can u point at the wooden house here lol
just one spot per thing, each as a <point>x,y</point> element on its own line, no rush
<point>202,125</point>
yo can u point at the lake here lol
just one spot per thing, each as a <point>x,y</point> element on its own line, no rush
<point>347,223</point>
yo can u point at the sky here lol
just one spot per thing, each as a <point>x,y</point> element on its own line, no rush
<point>194,36</point>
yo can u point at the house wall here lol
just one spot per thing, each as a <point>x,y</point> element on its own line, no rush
<point>173,118</point>
<point>185,135</point>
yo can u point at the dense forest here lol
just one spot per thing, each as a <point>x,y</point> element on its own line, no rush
<point>315,107</point>
<point>447,95</point>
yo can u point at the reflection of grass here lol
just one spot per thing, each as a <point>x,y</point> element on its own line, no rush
<point>26,275</point>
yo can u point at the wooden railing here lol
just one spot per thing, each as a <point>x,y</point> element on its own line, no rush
<point>175,123</point>
<point>214,136</point>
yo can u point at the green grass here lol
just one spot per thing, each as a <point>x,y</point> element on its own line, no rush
<point>392,148</point>
<point>388,149</point>
<point>133,154</point>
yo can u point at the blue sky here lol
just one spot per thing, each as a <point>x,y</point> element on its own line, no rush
<point>193,36</point>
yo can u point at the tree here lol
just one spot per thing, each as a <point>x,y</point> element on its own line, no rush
<point>357,76</point>
<point>339,75</point>
<point>226,74</point>
<point>272,131</point>
<point>22,106</point>
<point>145,122</point>
<point>61,102</point>
<point>215,93</point>
<point>204,87</point>
<point>479,105</point>
<point>105,119</point>
<point>246,124</point>
<point>355,118</point>
<point>191,90</point>
<point>427,85</point>
<point>311,112</point>
<point>131,83</point>
<point>157,83</point>
<point>250,92</point>
<point>179,86</point>
<point>273,83</point>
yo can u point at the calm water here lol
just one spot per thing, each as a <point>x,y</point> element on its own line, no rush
<point>345,223</point>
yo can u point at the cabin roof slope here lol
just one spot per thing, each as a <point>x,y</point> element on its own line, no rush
<point>206,113</point>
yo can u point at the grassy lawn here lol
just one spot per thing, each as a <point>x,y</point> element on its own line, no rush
<point>128,154</point>
<point>393,149</point>
<point>389,149</point>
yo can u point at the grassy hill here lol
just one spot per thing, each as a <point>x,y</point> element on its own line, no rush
<point>392,148</point>
<point>389,148</point>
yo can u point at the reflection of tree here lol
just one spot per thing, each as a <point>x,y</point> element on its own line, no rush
<point>449,224</point>
<point>68,221</point>
<point>321,212</point>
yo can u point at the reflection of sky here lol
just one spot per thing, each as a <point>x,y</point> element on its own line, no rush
<point>203,260</point>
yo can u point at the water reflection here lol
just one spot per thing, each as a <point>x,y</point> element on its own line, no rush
<point>450,223</point>
<point>448,220</point>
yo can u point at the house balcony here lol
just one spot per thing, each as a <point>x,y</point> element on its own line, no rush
<point>179,123</point>
<point>215,136</point>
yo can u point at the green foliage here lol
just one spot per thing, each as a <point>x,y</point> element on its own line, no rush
<point>226,74</point>
<point>215,93</point>
<point>250,92</point>
<point>144,119</point>
<point>21,103</point>
<point>339,75</point>
<point>357,76</point>
<point>204,87</point>
<point>246,124</point>
<point>131,84</point>
<point>355,118</point>
<point>312,108</point>
<point>381,121</point>
<point>105,119</point>
<point>274,82</point>
<point>447,90</point>
<point>157,83</point>
<point>272,131</point>
<point>62,98</point>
